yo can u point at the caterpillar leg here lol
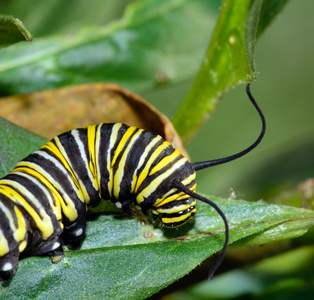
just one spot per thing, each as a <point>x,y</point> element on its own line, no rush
<point>56,255</point>
<point>51,247</point>
<point>8,263</point>
<point>5,276</point>
<point>37,246</point>
<point>73,234</point>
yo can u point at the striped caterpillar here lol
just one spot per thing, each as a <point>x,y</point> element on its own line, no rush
<point>43,201</point>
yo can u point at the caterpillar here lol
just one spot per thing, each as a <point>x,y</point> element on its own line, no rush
<point>44,200</point>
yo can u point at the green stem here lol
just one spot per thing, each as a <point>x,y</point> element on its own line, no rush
<point>228,62</point>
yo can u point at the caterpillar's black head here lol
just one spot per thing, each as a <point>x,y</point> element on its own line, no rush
<point>177,212</point>
<point>157,193</point>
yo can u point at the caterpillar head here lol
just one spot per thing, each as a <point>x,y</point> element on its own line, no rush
<point>173,207</point>
<point>190,194</point>
<point>174,200</point>
<point>176,212</point>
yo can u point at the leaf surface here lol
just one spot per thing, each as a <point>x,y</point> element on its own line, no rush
<point>123,258</point>
<point>16,143</point>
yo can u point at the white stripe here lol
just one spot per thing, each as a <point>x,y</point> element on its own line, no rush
<point>113,138</point>
<point>142,159</point>
<point>69,208</point>
<point>46,226</point>
<point>8,214</point>
<point>97,146</point>
<point>121,168</point>
<point>84,156</point>
<point>43,188</point>
<point>62,169</point>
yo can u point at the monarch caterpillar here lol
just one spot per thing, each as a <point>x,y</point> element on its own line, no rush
<point>43,201</point>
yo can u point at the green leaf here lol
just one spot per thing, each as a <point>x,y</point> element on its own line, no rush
<point>270,9</point>
<point>16,143</point>
<point>12,30</point>
<point>123,259</point>
<point>58,16</point>
<point>141,51</point>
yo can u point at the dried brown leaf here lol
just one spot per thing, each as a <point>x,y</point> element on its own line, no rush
<point>52,112</point>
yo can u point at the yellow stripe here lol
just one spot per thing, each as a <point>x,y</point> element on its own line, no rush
<point>147,149</point>
<point>174,209</point>
<point>158,180</point>
<point>188,180</point>
<point>185,182</point>
<point>113,138</point>
<point>179,195</point>
<point>145,171</point>
<point>176,219</point>
<point>91,140</point>
<point>43,222</point>
<point>45,186</point>
<point>96,157</point>
<point>165,161</point>
<point>4,246</point>
<point>68,206</point>
<point>122,142</point>
<point>20,231</point>
<point>175,197</point>
<point>120,170</point>
<point>22,246</point>
<point>56,150</point>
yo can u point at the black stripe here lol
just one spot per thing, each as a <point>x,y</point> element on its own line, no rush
<point>176,215</point>
<point>131,164</point>
<point>58,176</point>
<point>4,223</point>
<point>150,153</point>
<point>26,198</point>
<point>37,192</point>
<point>78,162</point>
<point>104,141</point>
<point>117,162</point>
<point>176,203</point>
<point>181,173</point>
<point>8,233</point>
<point>148,180</point>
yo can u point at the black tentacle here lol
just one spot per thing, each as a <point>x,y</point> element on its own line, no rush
<point>206,164</point>
<point>178,185</point>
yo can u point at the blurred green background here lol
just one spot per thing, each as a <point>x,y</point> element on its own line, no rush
<point>284,60</point>
<point>284,90</point>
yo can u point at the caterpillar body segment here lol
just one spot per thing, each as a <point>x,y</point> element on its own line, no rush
<point>43,201</point>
